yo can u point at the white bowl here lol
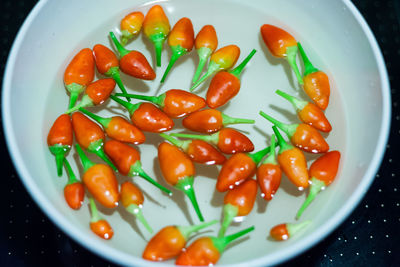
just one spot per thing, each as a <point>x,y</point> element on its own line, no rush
<point>337,40</point>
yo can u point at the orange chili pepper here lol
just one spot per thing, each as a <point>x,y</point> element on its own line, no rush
<point>316,82</point>
<point>79,74</point>
<point>118,128</point>
<point>131,25</point>
<point>74,192</point>
<point>98,225</point>
<point>284,231</point>
<point>207,250</point>
<point>175,102</point>
<point>292,161</point>
<point>128,162</point>
<point>205,43</point>
<point>132,199</point>
<point>100,181</point>
<point>281,44</point>
<point>226,84</point>
<point>238,202</point>
<point>227,140</point>
<point>269,174</point>
<point>147,117</point>
<point>308,112</point>
<point>301,135</point>
<point>107,64</point>
<point>181,41</point>
<point>222,59</point>
<point>198,150</point>
<point>59,139</point>
<point>178,170</point>
<point>170,241</point>
<point>322,172</point>
<point>238,169</point>
<point>210,121</point>
<point>89,135</point>
<point>156,27</point>
<point>95,94</point>
<point>133,62</point>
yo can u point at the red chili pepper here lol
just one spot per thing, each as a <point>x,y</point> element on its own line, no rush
<point>74,191</point>
<point>292,161</point>
<point>269,174</point>
<point>156,27</point>
<point>98,225</point>
<point>198,150</point>
<point>133,62</point>
<point>228,141</point>
<point>95,94</point>
<point>322,172</point>
<point>175,102</point>
<point>79,74</point>
<point>308,112</point>
<point>282,232</point>
<point>226,84</point>
<point>131,25</point>
<point>210,121</point>
<point>170,241</point>
<point>100,181</point>
<point>238,168</point>
<point>90,136</point>
<point>222,59</point>
<point>59,139</point>
<point>118,128</point>
<point>302,135</point>
<point>132,199</point>
<point>107,64</point>
<point>181,41</point>
<point>128,162</point>
<point>238,202</point>
<point>147,117</point>
<point>316,83</point>
<point>205,43</point>
<point>207,250</point>
<point>178,170</point>
<point>281,44</point>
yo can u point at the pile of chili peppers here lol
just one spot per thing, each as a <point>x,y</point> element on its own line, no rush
<point>240,175</point>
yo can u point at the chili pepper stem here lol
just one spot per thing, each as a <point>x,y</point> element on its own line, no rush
<point>186,231</point>
<point>283,145</point>
<point>130,107</point>
<point>289,129</point>
<point>86,162</point>
<point>291,53</point>
<point>157,100</point>
<point>297,103</point>
<point>158,41</point>
<point>271,159</point>
<point>136,169</point>
<point>238,70</point>
<point>96,147</point>
<point>213,138</point>
<point>212,68</point>
<point>294,228</point>
<point>309,68</point>
<point>86,101</point>
<point>75,90</point>
<point>121,50</point>
<point>186,185</point>
<point>137,211</point>
<point>95,216</point>
<point>259,155</point>
<point>125,37</point>
<point>178,143</point>
<point>177,52</point>
<point>226,120</point>
<point>230,212</point>
<point>204,53</point>
<point>114,73</point>
<point>220,243</point>
<point>103,121</point>
<point>315,187</point>
<point>59,152</point>
<point>71,176</point>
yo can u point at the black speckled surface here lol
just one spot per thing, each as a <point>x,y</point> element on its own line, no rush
<point>369,237</point>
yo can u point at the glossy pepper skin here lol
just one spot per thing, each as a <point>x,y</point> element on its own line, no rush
<point>156,27</point>
<point>323,171</point>
<point>59,139</point>
<point>170,241</point>
<point>79,74</point>
<point>74,191</point>
<point>98,225</point>
<point>316,82</point>
<point>147,117</point>
<point>281,44</point>
<point>130,26</point>
<point>210,121</point>
<point>226,84</point>
<point>175,103</point>
<point>284,231</point>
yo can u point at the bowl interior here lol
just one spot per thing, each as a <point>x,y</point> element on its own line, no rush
<point>56,30</point>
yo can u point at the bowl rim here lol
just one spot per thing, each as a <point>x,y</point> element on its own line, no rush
<point>119,257</point>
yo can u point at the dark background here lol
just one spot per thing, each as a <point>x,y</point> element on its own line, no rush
<point>370,236</point>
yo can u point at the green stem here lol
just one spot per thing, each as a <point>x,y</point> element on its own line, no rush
<point>137,170</point>
<point>258,156</point>
<point>226,120</point>
<point>86,162</point>
<point>186,186</point>
<point>71,175</point>
<point>121,50</point>
<point>238,70</point>
<point>291,52</point>
<point>175,142</point>
<point>114,73</point>
<point>59,152</point>
<point>177,52</point>
<point>86,101</point>
<point>297,103</point>
<point>96,147</point>
<point>130,107</point>
<point>220,243</point>
<point>125,37</point>
<point>213,138</point>
<point>95,217</point>
<point>103,121</point>
<point>283,145</point>
<point>204,54</point>
<point>309,68</point>
<point>137,211</point>
<point>294,228</point>
<point>75,90</point>
<point>230,212</point>
<point>289,129</point>
<point>158,100</point>
<point>315,187</point>
<point>271,159</point>
<point>158,41</point>
<point>212,68</point>
<point>186,231</point>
